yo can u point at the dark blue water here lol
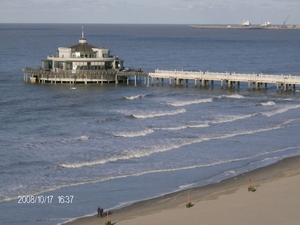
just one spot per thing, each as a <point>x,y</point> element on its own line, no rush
<point>112,145</point>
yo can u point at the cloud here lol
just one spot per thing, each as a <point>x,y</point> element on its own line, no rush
<point>185,7</point>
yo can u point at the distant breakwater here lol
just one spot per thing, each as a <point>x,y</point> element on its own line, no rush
<point>292,27</point>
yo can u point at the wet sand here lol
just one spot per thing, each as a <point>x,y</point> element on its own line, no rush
<point>275,201</point>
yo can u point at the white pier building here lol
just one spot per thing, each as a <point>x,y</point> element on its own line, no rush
<point>82,56</point>
<point>79,63</point>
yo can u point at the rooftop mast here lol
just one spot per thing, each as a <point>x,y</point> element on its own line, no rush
<point>82,39</point>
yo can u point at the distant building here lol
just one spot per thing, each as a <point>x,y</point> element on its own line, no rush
<point>82,56</point>
<point>246,23</point>
<point>265,24</point>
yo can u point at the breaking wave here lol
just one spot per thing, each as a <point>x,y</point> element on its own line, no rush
<point>227,119</point>
<point>134,134</point>
<point>184,127</point>
<point>231,96</point>
<point>156,114</point>
<point>184,103</point>
<point>281,110</point>
<point>82,138</point>
<point>132,154</point>
<point>269,103</point>
<point>134,97</point>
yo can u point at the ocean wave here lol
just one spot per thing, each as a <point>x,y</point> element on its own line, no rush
<point>75,139</point>
<point>184,127</point>
<point>208,164</point>
<point>81,164</point>
<point>269,103</point>
<point>157,114</point>
<point>81,138</point>
<point>106,120</point>
<point>134,133</point>
<point>227,119</point>
<point>51,142</point>
<point>134,97</point>
<point>281,110</point>
<point>185,103</point>
<point>231,96</point>
<point>132,154</point>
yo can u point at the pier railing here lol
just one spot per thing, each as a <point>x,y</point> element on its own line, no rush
<point>242,77</point>
<point>79,76</point>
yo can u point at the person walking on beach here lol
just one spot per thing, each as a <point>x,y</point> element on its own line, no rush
<point>99,211</point>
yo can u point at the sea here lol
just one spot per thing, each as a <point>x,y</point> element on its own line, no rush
<point>64,152</point>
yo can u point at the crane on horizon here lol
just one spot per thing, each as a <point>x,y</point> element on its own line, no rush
<point>284,22</point>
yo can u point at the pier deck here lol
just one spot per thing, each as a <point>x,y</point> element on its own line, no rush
<point>79,76</point>
<point>229,80</point>
<point>285,82</point>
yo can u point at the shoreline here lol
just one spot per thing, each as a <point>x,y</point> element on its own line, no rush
<point>288,167</point>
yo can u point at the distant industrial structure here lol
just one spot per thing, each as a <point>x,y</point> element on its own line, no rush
<point>246,24</point>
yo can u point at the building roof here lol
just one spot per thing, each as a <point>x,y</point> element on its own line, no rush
<point>82,46</point>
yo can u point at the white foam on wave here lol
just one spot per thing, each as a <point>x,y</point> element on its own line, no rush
<point>168,170</point>
<point>227,119</point>
<point>75,139</point>
<point>134,133</point>
<point>232,96</point>
<point>185,103</point>
<point>81,138</point>
<point>82,164</point>
<point>132,154</point>
<point>184,127</point>
<point>157,114</point>
<point>229,173</point>
<point>186,186</point>
<point>281,110</point>
<point>134,97</point>
<point>269,103</point>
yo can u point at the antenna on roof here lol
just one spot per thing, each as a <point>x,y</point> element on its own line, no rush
<point>82,33</point>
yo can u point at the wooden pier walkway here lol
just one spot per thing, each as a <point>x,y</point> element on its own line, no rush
<point>283,82</point>
<point>227,80</point>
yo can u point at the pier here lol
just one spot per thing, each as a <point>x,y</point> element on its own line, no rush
<point>228,80</point>
<point>85,63</point>
<point>174,77</point>
<point>80,76</point>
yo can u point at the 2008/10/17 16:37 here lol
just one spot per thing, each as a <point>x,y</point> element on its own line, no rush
<point>44,199</point>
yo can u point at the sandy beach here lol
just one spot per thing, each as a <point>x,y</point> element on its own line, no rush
<point>275,201</point>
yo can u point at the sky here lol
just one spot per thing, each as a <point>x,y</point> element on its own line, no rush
<point>150,11</point>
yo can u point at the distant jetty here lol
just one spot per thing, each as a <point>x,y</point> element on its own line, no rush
<point>274,27</point>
